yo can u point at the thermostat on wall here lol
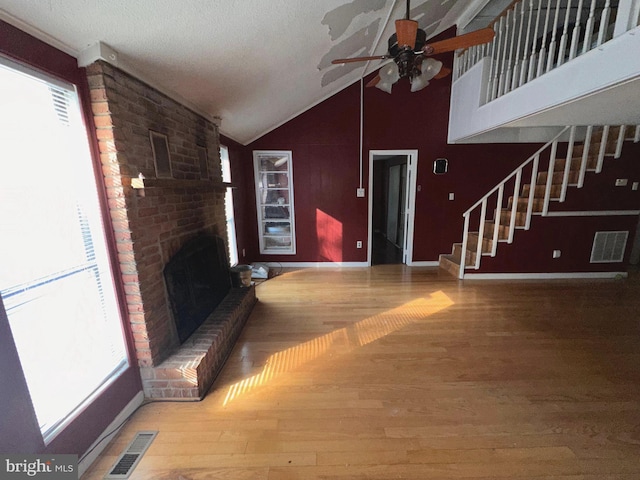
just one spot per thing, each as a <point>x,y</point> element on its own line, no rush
<point>440,166</point>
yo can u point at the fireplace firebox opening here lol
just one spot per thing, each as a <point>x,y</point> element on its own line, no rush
<point>197,279</point>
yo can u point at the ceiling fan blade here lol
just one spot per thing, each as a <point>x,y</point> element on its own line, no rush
<point>467,40</point>
<point>373,82</point>
<point>359,59</point>
<point>406,31</point>
<point>444,71</point>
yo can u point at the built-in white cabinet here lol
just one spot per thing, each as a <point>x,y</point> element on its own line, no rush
<point>274,201</point>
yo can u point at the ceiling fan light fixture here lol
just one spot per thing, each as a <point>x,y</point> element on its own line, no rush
<point>384,85</point>
<point>418,83</point>
<point>389,73</point>
<point>430,68</point>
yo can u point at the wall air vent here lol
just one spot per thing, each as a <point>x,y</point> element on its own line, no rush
<point>131,456</point>
<point>609,247</point>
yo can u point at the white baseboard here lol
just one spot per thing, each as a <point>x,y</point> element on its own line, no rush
<point>126,412</point>
<point>599,213</point>
<point>339,264</point>
<point>424,264</point>
<point>543,276</point>
<point>315,264</point>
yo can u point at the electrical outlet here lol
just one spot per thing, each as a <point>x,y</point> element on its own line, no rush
<point>556,253</point>
<point>621,182</point>
<point>359,244</point>
<point>360,192</point>
<point>635,185</point>
<point>452,196</point>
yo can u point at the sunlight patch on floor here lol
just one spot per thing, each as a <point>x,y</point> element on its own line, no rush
<point>341,341</point>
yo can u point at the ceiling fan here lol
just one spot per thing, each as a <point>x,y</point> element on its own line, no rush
<point>412,54</point>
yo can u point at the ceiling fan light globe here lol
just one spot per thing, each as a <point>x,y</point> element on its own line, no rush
<point>389,73</point>
<point>430,68</point>
<point>418,83</point>
<point>384,85</point>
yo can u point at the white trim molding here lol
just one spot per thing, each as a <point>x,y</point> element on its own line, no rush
<point>600,213</point>
<point>545,276</point>
<point>424,264</point>
<point>316,264</point>
<point>409,202</point>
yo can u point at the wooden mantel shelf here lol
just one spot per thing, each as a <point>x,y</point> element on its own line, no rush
<point>142,183</point>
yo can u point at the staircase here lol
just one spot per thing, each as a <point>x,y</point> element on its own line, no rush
<point>532,190</point>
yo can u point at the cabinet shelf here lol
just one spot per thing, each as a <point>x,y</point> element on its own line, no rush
<point>274,201</point>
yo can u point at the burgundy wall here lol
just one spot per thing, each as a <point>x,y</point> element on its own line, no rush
<point>84,430</point>
<point>325,145</point>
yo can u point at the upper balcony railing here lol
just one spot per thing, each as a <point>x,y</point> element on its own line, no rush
<point>536,36</point>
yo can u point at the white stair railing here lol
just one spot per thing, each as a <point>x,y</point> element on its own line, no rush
<point>535,36</point>
<point>497,192</point>
<point>514,219</point>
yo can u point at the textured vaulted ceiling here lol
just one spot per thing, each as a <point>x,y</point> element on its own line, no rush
<point>254,63</point>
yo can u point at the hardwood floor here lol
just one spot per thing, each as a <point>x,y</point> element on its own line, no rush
<point>399,372</point>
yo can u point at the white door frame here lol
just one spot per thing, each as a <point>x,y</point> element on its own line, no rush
<point>410,201</point>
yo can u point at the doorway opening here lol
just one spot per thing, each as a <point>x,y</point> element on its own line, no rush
<point>392,184</point>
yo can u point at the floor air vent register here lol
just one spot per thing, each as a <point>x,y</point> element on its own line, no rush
<point>132,455</point>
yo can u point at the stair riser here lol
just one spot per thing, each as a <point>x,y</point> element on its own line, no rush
<point>472,243</point>
<point>523,204</point>
<point>470,258</point>
<point>503,231</point>
<point>558,177</point>
<point>449,265</point>
<point>556,190</point>
<point>576,162</point>
<point>505,218</point>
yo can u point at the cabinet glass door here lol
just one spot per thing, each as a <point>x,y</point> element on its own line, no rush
<point>274,197</point>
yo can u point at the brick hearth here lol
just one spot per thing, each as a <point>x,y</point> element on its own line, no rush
<point>191,369</point>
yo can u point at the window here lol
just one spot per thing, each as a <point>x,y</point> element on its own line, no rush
<point>274,198</point>
<point>55,280</point>
<point>228,206</point>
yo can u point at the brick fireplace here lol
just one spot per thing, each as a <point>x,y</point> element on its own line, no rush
<point>154,217</point>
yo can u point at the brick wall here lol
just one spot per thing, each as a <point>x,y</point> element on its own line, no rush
<point>151,223</point>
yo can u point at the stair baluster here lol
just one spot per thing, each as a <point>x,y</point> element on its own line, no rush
<point>604,23</point>
<point>620,141</point>
<point>565,34</point>
<point>525,55</point>
<point>585,156</point>
<point>552,165</point>
<point>575,35</point>
<point>543,46</point>
<point>567,164</point>
<point>532,193</point>
<point>603,148</point>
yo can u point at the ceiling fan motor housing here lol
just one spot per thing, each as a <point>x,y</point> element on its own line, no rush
<point>406,58</point>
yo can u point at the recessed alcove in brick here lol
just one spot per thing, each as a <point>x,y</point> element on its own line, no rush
<point>154,219</point>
